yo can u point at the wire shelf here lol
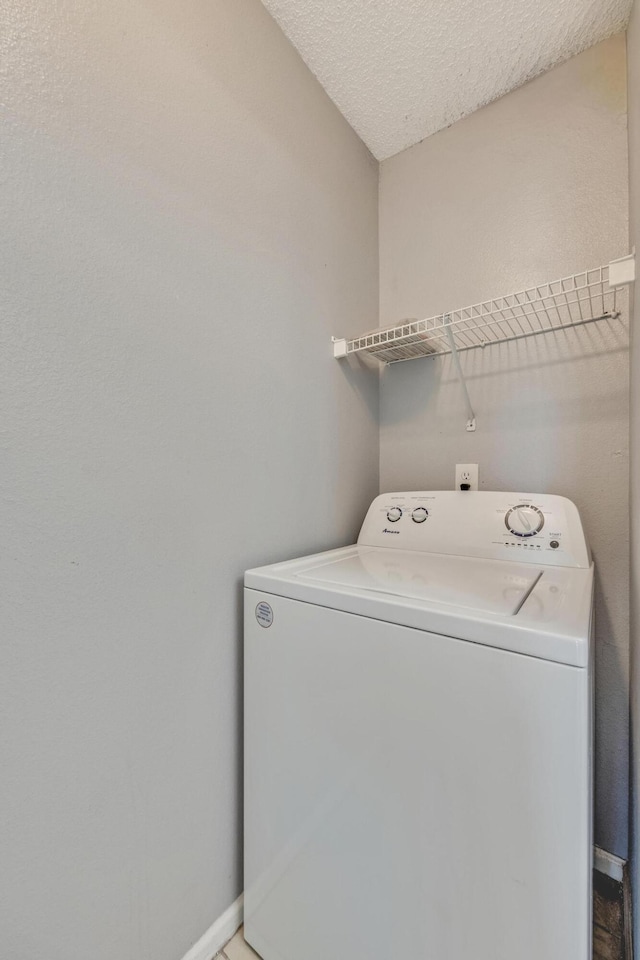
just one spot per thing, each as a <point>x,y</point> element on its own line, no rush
<point>569,302</point>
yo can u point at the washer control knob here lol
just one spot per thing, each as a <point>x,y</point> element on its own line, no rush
<point>525,520</point>
<point>554,544</point>
<point>420,514</point>
<point>394,514</point>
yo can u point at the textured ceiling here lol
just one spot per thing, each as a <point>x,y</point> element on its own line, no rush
<point>399,70</point>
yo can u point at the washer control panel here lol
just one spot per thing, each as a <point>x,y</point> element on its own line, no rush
<point>540,528</point>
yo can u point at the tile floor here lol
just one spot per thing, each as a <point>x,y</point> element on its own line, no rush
<point>237,949</point>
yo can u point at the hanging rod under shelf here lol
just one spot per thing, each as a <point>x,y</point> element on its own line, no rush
<point>570,302</point>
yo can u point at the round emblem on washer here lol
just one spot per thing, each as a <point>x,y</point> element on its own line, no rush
<point>264,614</point>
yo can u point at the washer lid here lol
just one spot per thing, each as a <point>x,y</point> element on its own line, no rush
<point>491,586</point>
<point>547,616</point>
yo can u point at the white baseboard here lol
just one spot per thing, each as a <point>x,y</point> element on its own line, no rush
<point>218,933</point>
<point>608,864</point>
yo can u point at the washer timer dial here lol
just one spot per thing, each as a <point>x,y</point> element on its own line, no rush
<point>524,520</point>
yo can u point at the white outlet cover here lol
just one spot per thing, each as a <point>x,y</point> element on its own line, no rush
<point>467,473</point>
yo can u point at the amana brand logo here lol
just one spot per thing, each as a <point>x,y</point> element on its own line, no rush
<point>390,531</point>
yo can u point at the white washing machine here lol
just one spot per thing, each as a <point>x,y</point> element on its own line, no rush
<point>418,736</point>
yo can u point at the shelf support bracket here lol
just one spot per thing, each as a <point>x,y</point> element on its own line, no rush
<point>622,272</point>
<point>471,417</point>
<point>339,347</point>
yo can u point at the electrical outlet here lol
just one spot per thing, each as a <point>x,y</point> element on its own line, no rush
<point>466,473</point>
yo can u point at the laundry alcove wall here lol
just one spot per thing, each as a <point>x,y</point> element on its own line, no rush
<point>531,187</point>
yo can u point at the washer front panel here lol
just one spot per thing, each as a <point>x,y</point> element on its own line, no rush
<point>404,792</point>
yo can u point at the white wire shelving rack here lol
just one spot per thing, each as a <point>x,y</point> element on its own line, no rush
<point>559,305</point>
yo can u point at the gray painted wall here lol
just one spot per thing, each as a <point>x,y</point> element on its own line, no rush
<point>531,188</point>
<point>633,63</point>
<point>186,219</point>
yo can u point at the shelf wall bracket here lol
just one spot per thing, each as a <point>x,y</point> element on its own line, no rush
<point>471,417</point>
<point>339,347</point>
<point>622,272</point>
